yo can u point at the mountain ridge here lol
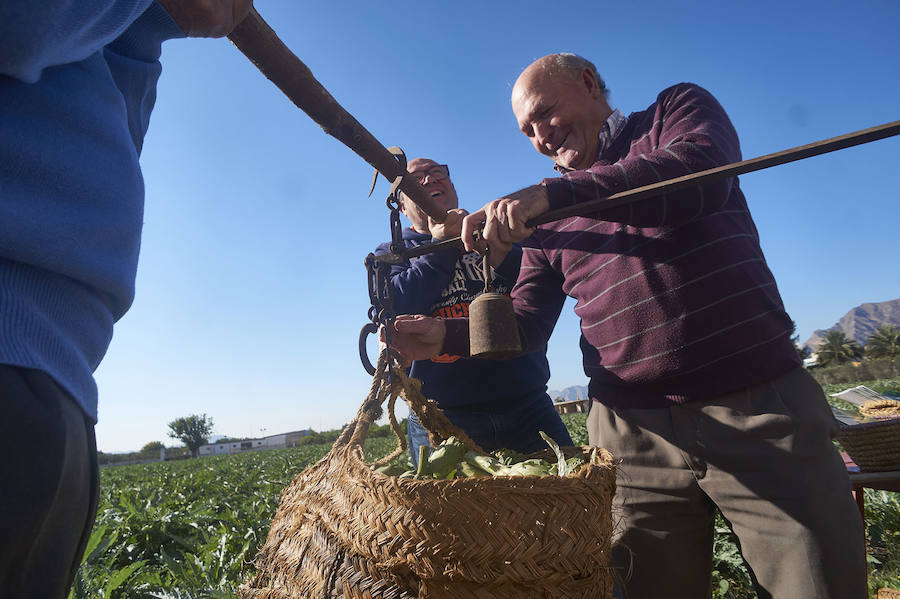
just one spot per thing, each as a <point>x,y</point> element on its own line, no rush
<point>860,322</point>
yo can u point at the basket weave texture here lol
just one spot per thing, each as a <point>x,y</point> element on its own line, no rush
<point>882,408</point>
<point>343,530</point>
<point>874,446</point>
<point>887,594</point>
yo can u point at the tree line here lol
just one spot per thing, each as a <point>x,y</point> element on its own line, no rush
<point>841,359</point>
<point>837,348</point>
<point>194,431</point>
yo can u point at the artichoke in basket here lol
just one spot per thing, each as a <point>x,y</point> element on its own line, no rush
<point>445,457</point>
<point>451,459</point>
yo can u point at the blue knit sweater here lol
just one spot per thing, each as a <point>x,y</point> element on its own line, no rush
<point>77,84</point>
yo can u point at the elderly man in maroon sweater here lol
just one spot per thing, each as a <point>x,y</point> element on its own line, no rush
<point>696,385</point>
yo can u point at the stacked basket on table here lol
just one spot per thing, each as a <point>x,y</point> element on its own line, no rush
<point>344,530</point>
<point>874,446</point>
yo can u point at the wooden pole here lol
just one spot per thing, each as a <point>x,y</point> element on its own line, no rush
<point>596,207</point>
<point>258,42</point>
<point>824,146</point>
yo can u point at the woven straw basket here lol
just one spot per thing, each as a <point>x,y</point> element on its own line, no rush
<point>887,594</point>
<point>343,530</point>
<point>874,446</point>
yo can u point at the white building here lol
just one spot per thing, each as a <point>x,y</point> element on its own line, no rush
<point>291,439</point>
<point>576,406</point>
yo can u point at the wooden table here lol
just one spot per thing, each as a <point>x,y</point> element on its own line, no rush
<point>883,481</point>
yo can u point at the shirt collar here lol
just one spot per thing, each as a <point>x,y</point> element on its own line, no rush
<point>608,133</point>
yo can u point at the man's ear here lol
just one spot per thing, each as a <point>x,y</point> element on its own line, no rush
<point>590,83</point>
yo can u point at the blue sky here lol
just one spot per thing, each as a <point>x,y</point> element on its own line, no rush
<point>251,289</point>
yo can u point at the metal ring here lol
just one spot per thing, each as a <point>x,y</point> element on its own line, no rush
<point>368,329</point>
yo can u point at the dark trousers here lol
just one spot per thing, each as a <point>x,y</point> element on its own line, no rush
<point>48,485</point>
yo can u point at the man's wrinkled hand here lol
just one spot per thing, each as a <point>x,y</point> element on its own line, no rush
<point>450,228</point>
<point>416,337</point>
<point>382,345</point>
<point>207,18</point>
<point>504,221</point>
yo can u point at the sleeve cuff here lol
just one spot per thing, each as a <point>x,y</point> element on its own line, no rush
<point>560,192</point>
<point>509,268</point>
<point>143,39</point>
<point>456,341</point>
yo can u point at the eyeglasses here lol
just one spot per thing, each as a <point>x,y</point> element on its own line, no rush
<point>436,172</point>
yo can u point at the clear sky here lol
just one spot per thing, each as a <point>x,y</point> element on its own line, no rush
<point>251,289</point>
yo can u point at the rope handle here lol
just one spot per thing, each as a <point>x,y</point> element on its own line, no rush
<point>390,382</point>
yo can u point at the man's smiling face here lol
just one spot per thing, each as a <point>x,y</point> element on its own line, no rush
<point>562,115</point>
<point>435,180</point>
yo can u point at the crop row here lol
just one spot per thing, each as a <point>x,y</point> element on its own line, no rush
<point>190,529</point>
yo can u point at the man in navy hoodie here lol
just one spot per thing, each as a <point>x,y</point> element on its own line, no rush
<point>77,85</point>
<point>498,403</point>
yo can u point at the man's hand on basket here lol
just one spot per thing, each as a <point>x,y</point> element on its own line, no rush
<point>417,337</point>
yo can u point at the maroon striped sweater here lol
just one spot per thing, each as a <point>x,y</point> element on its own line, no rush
<point>675,298</point>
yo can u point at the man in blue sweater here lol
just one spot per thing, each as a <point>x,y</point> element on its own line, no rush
<point>77,85</point>
<point>498,403</point>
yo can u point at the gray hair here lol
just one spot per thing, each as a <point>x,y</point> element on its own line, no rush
<point>572,65</point>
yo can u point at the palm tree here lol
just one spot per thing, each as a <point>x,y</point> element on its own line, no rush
<point>802,352</point>
<point>837,348</point>
<point>884,342</point>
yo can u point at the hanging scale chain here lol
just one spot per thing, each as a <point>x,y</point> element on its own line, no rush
<point>381,313</point>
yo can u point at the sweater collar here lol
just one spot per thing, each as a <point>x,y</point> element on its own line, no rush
<point>611,129</point>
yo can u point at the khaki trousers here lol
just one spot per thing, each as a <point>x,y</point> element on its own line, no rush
<point>762,455</point>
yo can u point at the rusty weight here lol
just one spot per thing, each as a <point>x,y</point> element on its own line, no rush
<point>493,330</point>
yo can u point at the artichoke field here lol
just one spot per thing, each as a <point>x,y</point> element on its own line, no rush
<point>190,529</point>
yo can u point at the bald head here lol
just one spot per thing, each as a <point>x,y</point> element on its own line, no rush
<point>560,103</point>
<point>565,64</point>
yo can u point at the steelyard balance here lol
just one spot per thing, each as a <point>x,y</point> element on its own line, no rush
<point>492,322</point>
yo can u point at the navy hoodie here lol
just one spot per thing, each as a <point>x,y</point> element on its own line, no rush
<point>443,284</point>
